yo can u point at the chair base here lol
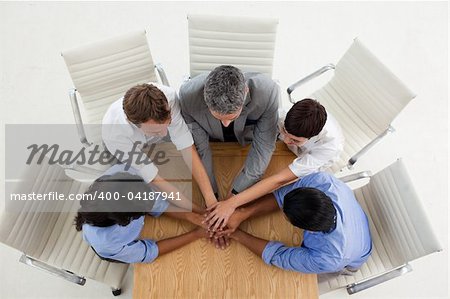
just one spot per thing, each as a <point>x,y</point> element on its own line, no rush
<point>360,286</point>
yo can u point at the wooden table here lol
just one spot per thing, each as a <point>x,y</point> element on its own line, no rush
<point>199,270</point>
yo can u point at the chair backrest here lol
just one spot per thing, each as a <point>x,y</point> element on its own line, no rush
<point>400,229</point>
<point>244,42</point>
<point>364,96</point>
<point>43,232</point>
<point>103,71</point>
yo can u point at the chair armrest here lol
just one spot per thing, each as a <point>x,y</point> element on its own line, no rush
<point>77,115</point>
<point>365,149</point>
<point>162,74</point>
<point>356,176</point>
<point>317,73</point>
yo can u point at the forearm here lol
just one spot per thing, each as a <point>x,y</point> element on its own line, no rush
<point>256,245</point>
<point>193,218</point>
<point>263,187</point>
<point>262,206</point>
<point>168,245</point>
<point>183,202</point>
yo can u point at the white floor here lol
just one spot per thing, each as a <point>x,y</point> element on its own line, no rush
<point>411,38</point>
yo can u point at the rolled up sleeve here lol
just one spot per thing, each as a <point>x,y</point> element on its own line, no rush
<point>269,251</point>
<point>152,251</point>
<point>298,259</point>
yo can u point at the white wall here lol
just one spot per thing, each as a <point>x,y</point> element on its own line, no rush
<point>411,38</point>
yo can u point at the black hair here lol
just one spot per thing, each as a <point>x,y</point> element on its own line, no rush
<point>310,209</point>
<point>119,209</point>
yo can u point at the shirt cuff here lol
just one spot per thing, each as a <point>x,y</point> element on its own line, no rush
<point>270,250</point>
<point>152,251</point>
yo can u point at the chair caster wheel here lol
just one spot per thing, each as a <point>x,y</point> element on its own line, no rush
<point>117,292</point>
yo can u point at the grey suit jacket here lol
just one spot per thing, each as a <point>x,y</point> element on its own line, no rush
<point>257,124</point>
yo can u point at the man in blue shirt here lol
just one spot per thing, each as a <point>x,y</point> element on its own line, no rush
<point>112,227</point>
<point>336,230</point>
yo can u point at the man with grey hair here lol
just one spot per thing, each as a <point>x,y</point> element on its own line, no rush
<point>230,106</point>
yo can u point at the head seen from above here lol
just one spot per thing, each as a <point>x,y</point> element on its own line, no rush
<point>103,213</point>
<point>224,92</point>
<point>146,106</point>
<point>304,120</point>
<point>310,209</point>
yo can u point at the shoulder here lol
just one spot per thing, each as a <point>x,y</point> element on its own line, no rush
<point>115,114</point>
<point>168,91</point>
<point>333,129</point>
<point>193,86</point>
<point>259,81</point>
<point>333,187</point>
<point>115,123</point>
<point>191,93</point>
<point>263,88</point>
<point>319,180</point>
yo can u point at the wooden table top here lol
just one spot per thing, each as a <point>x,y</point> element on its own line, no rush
<point>199,270</point>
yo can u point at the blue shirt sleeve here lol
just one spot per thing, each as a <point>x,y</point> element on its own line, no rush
<point>298,259</point>
<point>138,251</point>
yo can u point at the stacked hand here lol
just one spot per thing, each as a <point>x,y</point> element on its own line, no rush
<point>216,236</point>
<point>225,228</point>
<point>221,220</point>
<point>219,214</point>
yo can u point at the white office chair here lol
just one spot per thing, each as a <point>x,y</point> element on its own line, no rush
<point>246,43</point>
<point>103,71</point>
<point>45,231</point>
<point>364,96</point>
<point>399,227</point>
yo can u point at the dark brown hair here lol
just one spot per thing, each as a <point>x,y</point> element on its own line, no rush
<point>144,102</point>
<point>305,119</point>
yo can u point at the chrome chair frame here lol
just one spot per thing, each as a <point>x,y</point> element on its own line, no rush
<point>316,74</point>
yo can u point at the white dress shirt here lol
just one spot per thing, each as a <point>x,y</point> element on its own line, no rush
<point>120,135</point>
<point>320,152</point>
